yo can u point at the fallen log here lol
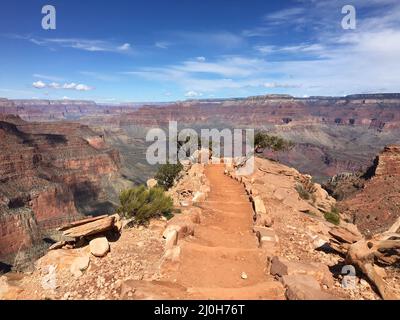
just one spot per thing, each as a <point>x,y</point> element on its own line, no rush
<point>364,253</point>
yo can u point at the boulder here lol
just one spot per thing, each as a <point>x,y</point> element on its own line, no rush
<point>304,287</point>
<point>99,247</point>
<point>346,234</point>
<point>323,201</point>
<point>182,224</point>
<point>81,222</point>
<point>259,206</point>
<point>151,183</point>
<point>264,220</point>
<point>268,240</point>
<point>171,239</point>
<point>58,245</point>
<point>281,267</point>
<point>90,228</point>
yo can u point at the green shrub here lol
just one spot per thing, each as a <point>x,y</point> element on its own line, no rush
<point>333,216</point>
<point>142,204</point>
<point>167,174</point>
<point>264,141</point>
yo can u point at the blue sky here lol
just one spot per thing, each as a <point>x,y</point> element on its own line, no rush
<point>120,51</point>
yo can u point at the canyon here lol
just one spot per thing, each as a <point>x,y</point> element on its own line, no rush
<point>332,134</point>
<point>50,174</point>
<point>235,237</point>
<point>62,161</point>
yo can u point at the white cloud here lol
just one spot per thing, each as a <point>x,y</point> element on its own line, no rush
<point>39,85</point>
<point>83,87</point>
<point>284,15</point>
<point>331,62</point>
<point>124,47</point>
<point>91,45</point>
<point>274,85</point>
<point>201,59</point>
<point>162,44</point>
<point>193,94</point>
<point>65,86</point>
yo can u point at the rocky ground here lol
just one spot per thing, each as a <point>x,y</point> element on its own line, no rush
<point>137,255</point>
<point>262,236</point>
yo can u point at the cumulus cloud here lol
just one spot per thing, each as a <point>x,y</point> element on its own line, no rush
<point>324,60</point>
<point>39,84</point>
<point>193,94</point>
<point>124,47</point>
<point>65,86</point>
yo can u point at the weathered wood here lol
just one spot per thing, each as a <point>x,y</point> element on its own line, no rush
<point>91,228</point>
<point>364,253</point>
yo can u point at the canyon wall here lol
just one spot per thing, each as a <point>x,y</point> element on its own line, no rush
<point>49,172</point>
<point>332,134</point>
<point>376,205</point>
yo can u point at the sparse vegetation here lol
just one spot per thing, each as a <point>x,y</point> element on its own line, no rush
<point>333,216</point>
<point>142,204</point>
<point>303,193</point>
<point>167,174</point>
<point>264,141</point>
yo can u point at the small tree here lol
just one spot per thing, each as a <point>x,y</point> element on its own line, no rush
<point>142,204</point>
<point>264,141</point>
<point>167,174</point>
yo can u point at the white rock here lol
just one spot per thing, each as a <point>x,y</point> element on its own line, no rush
<point>244,275</point>
<point>99,247</point>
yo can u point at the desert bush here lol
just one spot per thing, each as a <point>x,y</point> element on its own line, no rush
<point>167,174</point>
<point>264,141</point>
<point>142,204</point>
<point>333,216</point>
<point>303,193</point>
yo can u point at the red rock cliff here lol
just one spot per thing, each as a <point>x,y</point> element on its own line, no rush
<point>46,170</point>
<point>377,205</point>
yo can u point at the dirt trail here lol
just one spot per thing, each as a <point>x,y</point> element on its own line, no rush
<point>224,246</point>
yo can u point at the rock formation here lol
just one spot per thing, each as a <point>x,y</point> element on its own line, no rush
<point>331,133</point>
<point>49,174</point>
<point>375,207</point>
